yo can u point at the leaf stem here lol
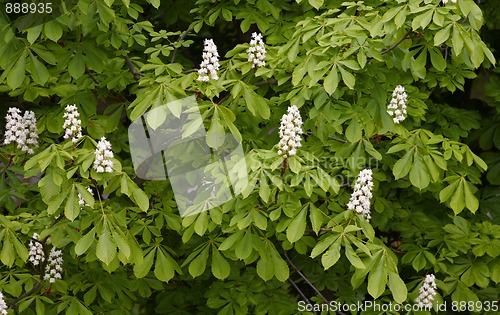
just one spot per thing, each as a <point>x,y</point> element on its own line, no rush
<point>407,35</point>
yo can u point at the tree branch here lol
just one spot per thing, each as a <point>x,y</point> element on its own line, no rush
<point>267,82</point>
<point>305,278</point>
<point>301,294</point>
<point>25,294</point>
<point>407,35</point>
<point>189,71</point>
<point>87,71</point>
<point>11,158</point>
<point>181,38</point>
<point>137,74</point>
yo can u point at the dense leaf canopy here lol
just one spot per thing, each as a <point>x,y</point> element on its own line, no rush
<point>370,132</point>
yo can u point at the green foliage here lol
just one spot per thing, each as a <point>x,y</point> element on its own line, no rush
<point>288,236</point>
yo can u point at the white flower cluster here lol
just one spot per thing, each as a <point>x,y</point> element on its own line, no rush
<point>36,254</point>
<point>72,125</point>
<point>81,201</point>
<point>256,51</point>
<point>103,155</point>
<point>53,268</point>
<point>360,198</point>
<point>397,106</point>
<point>290,131</point>
<point>3,305</point>
<point>446,1</point>
<point>21,129</point>
<point>210,63</point>
<point>427,292</point>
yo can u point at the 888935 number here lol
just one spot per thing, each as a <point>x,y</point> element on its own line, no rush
<point>28,8</point>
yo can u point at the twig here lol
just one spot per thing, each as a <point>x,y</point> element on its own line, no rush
<point>267,82</point>
<point>301,293</point>
<point>11,158</point>
<point>137,74</point>
<point>305,278</point>
<point>407,35</point>
<point>25,294</point>
<point>321,229</point>
<point>284,166</point>
<point>181,38</point>
<point>87,71</point>
<point>223,99</point>
<point>189,71</point>
<point>338,139</point>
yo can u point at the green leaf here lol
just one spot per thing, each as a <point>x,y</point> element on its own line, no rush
<point>316,3</point>
<point>141,269</point>
<point>141,199</point>
<point>84,243</point>
<point>56,202</point>
<point>156,117</point>
<point>331,81</point>
<point>121,242</point>
<point>155,3</point>
<point>264,190</point>
<point>215,134</point>
<point>347,77</point>
<point>332,255</point>
<point>437,59</point>
<point>7,255</point>
<point>442,35</point>
<point>220,266</point>
<point>39,307</point>
<point>419,261</point>
<point>198,265</point>
<point>245,247</point>
<point>316,218</point>
<point>72,207</point>
<point>297,227</point>
<point>265,268</point>
<point>352,256</point>
<point>457,202</point>
<point>33,33</point>
<point>53,30</point>
<point>39,72</point>
<point>354,131</point>
<point>164,271</point>
<point>294,50</point>
<point>323,244</point>
<point>471,201</point>
<point>294,164</point>
<point>400,18</point>
<point>281,270</point>
<point>403,165</point>
<point>21,250</point>
<point>457,40</point>
<point>76,66</point>
<point>397,287</point>
<point>419,175</point>
<point>256,104</point>
<point>16,75</point>
<point>371,150</point>
<point>377,279</point>
<point>495,273</point>
<point>447,192</point>
<point>106,248</point>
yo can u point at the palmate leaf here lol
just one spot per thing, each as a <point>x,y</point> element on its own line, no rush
<point>460,194</point>
<point>106,249</point>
